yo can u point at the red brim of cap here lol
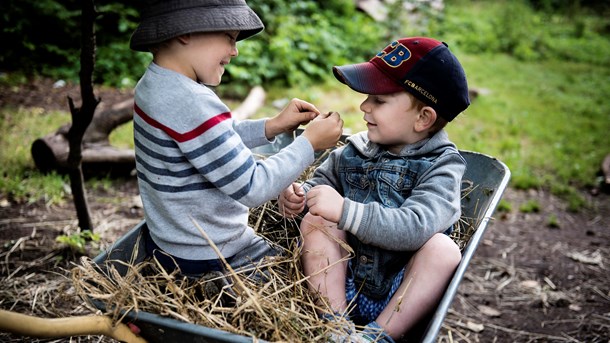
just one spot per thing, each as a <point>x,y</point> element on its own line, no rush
<point>366,78</point>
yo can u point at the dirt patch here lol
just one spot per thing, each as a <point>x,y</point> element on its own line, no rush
<point>53,95</point>
<point>536,277</point>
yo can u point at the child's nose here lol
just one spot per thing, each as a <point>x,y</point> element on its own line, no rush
<point>364,107</point>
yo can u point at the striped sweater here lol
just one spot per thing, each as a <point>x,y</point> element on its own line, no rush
<point>194,163</point>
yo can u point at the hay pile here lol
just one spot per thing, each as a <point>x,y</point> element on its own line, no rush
<point>277,308</point>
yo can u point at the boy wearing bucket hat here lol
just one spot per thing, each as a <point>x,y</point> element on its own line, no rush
<point>392,193</point>
<point>193,161</point>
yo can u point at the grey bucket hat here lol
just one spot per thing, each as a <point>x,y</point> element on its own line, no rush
<point>163,20</point>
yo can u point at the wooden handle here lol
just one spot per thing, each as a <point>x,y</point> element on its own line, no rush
<point>31,326</point>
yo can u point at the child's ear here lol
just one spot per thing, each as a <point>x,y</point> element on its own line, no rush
<point>184,39</point>
<point>425,119</point>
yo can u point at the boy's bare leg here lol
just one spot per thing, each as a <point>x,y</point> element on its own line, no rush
<point>426,278</point>
<point>321,249</point>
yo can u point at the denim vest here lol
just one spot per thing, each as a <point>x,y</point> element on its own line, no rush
<point>387,179</point>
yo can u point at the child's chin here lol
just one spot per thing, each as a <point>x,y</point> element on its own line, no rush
<point>372,137</point>
<point>211,84</point>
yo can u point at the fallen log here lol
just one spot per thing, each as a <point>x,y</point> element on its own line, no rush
<point>50,153</point>
<point>254,101</point>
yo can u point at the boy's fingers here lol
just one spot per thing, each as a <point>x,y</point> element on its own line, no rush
<point>304,106</point>
<point>328,115</point>
<point>334,115</point>
<point>296,188</point>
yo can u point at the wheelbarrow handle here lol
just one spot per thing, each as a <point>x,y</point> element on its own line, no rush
<point>31,326</point>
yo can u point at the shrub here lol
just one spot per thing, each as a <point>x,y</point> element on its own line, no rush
<point>304,39</point>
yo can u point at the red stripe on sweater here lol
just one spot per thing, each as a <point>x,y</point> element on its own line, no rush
<point>183,137</point>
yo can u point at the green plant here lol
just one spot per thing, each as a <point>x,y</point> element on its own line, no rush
<point>304,39</point>
<point>301,42</point>
<point>33,49</point>
<point>530,206</point>
<point>545,120</point>
<point>116,64</point>
<point>77,242</point>
<point>122,136</point>
<point>553,221</point>
<point>504,206</point>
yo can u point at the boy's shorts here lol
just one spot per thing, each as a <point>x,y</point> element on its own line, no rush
<point>246,257</point>
<point>365,308</point>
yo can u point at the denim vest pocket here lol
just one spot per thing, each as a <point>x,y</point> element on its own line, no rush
<point>395,186</point>
<point>356,178</point>
<point>357,184</point>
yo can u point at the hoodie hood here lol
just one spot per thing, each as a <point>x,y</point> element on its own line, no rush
<point>429,146</point>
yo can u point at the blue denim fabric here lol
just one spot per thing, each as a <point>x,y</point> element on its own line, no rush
<point>366,310</point>
<point>384,178</point>
<point>387,179</point>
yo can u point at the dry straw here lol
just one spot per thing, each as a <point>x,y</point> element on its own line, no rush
<point>269,301</point>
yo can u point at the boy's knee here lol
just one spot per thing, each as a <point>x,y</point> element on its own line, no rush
<point>311,223</point>
<point>307,223</point>
<point>317,230</point>
<point>440,245</point>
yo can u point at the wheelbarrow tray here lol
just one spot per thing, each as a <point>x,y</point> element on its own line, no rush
<point>488,175</point>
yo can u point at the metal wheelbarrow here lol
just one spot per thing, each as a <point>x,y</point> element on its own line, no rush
<point>486,176</point>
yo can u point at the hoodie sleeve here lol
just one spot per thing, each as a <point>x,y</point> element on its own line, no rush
<point>326,173</point>
<point>434,205</point>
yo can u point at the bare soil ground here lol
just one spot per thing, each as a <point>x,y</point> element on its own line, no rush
<point>536,277</point>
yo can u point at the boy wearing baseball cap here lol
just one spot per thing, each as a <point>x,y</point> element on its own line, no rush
<point>392,193</point>
<point>194,164</point>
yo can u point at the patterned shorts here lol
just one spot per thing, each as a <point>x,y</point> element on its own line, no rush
<point>369,309</point>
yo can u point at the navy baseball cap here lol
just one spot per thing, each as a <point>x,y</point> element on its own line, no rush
<point>422,66</point>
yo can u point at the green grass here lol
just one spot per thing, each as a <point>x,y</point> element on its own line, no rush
<point>19,178</point>
<point>122,136</point>
<point>548,121</point>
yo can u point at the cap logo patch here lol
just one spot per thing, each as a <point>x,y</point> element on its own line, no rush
<point>398,53</point>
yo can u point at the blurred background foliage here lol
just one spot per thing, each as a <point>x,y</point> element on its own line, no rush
<point>304,39</point>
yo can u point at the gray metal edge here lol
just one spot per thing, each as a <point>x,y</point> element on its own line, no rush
<point>439,316</point>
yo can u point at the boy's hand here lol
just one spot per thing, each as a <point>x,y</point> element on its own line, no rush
<point>325,131</point>
<point>291,201</point>
<point>297,112</point>
<point>326,202</point>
